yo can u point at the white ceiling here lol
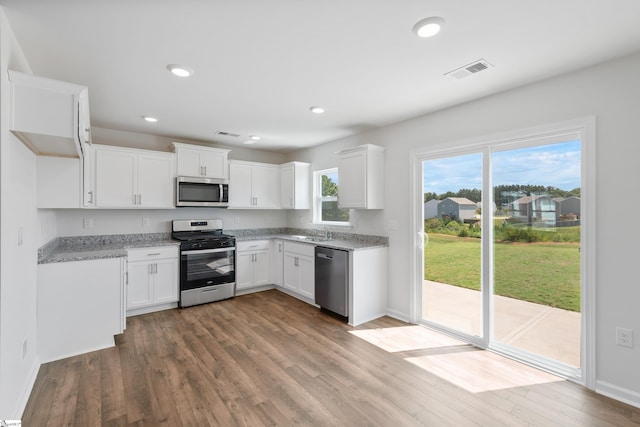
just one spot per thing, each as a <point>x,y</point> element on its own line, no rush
<point>259,65</point>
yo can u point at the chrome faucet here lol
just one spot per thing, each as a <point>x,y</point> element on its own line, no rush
<point>327,233</point>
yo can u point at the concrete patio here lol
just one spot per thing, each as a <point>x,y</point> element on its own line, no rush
<point>547,331</point>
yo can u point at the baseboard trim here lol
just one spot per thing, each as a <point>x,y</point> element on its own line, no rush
<point>31,381</point>
<point>398,315</point>
<point>253,290</point>
<point>622,394</point>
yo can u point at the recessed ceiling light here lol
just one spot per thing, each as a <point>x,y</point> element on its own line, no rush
<point>180,70</point>
<point>150,119</point>
<point>255,137</point>
<point>316,110</point>
<point>428,27</point>
<point>250,141</point>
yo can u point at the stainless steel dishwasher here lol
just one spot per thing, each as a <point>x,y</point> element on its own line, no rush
<point>332,278</point>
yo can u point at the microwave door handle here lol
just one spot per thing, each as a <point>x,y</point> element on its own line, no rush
<point>221,192</point>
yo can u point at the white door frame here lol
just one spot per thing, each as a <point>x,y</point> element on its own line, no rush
<point>585,128</point>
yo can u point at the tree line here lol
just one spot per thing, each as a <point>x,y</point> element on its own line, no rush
<point>505,193</point>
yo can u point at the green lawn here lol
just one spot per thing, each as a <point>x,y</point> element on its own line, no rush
<point>544,273</point>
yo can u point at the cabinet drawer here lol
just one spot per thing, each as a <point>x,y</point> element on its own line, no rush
<point>146,254</point>
<point>253,245</point>
<point>300,248</point>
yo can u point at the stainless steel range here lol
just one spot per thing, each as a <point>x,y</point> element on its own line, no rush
<point>207,261</point>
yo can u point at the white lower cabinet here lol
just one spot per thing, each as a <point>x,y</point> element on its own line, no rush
<point>277,260</point>
<point>80,307</point>
<point>252,264</point>
<point>298,271</point>
<point>152,279</point>
<point>367,285</point>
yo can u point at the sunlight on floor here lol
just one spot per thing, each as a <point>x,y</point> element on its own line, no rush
<point>457,362</point>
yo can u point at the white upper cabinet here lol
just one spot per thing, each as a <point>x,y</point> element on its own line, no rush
<point>361,175</point>
<point>253,185</point>
<point>49,116</point>
<point>206,162</point>
<point>132,178</point>
<point>294,186</point>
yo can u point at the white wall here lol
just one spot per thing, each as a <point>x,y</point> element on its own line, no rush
<point>611,92</point>
<point>130,221</point>
<point>19,362</point>
<point>163,143</point>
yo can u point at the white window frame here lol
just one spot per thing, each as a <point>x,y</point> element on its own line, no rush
<point>318,199</point>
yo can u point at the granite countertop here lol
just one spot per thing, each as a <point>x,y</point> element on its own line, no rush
<point>347,245</point>
<point>83,248</point>
<point>339,240</point>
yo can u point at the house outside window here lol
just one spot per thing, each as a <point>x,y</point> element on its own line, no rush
<point>325,201</point>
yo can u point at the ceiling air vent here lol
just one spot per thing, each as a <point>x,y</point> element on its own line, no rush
<point>223,133</point>
<point>469,69</point>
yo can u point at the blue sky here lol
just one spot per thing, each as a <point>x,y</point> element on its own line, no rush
<point>556,165</point>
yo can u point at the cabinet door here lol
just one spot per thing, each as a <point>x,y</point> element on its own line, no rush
<point>240,195</point>
<point>165,281</point>
<point>277,256</point>
<point>139,284</point>
<point>265,188</point>
<point>84,119</point>
<point>115,178</point>
<point>188,162</point>
<point>287,176</point>
<point>261,264</point>
<point>291,277</point>
<point>155,181</point>
<point>352,189</point>
<point>244,270</point>
<point>214,164</point>
<point>306,286</point>
<point>88,165</point>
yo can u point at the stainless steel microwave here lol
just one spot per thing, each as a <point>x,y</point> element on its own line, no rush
<point>204,192</point>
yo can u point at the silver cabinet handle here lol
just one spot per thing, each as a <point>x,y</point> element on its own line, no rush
<point>205,170</point>
<point>91,199</point>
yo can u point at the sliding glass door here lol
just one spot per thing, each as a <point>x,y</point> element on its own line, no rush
<point>452,249</point>
<point>536,250</point>
<point>502,261</point>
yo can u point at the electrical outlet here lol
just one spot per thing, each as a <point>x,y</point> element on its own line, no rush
<point>624,337</point>
<point>87,223</point>
<point>145,222</point>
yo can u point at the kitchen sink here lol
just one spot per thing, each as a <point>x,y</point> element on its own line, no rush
<point>309,238</point>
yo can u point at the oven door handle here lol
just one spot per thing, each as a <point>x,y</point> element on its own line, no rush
<point>208,251</point>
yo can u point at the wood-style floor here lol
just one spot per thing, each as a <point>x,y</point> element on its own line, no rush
<point>269,359</point>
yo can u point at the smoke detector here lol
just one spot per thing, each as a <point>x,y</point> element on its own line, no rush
<point>469,69</point>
